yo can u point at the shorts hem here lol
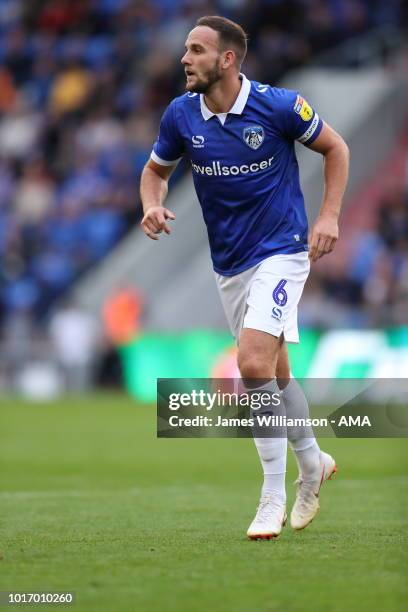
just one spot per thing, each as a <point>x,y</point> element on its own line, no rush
<point>273,331</point>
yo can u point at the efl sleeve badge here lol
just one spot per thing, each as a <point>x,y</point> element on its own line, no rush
<point>303,108</point>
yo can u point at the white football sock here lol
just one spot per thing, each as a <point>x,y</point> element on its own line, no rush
<point>301,439</point>
<point>308,460</point>
<point>272,453</point>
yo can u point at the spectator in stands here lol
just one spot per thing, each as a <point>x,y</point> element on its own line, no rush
<point>76,338</point>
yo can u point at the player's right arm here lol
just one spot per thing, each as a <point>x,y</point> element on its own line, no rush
<point>153,192</point>
<point>167,151</point>
<point>302,123</point>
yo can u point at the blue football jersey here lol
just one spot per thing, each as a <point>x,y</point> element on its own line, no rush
<point>245,170</point>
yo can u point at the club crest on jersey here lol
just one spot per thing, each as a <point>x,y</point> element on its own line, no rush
<point>254,136</point>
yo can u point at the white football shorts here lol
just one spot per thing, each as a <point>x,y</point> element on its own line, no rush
<point>266,297</point>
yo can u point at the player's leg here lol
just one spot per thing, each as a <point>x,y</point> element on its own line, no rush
<point>301,439</point>
<point>315,466</point>
<point>257,357</point>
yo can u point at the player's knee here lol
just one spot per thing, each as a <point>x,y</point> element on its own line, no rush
<point>252,366</point>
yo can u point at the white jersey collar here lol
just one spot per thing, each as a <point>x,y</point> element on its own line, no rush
<point>239,104</point>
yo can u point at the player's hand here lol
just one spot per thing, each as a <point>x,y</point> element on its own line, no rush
<point>154,221</point>
<point>323,236</point>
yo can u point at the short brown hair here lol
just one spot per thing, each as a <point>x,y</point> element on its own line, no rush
<point>230,34</point>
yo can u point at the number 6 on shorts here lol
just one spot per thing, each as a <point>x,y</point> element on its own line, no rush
<point>279,294</point>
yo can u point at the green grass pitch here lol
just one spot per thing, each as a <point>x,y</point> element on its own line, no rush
<point>91,501</point>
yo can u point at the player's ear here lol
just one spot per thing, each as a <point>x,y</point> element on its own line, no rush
<point>229,58</point>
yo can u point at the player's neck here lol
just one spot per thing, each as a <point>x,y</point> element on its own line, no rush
<point>223,95</point>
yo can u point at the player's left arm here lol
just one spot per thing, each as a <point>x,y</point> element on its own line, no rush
<point>325,231</point>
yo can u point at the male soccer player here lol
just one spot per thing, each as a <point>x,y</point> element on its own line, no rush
<point>239,136</point>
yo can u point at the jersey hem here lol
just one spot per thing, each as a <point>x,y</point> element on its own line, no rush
<point>257,261</point>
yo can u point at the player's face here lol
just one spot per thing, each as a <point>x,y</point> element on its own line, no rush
<point>202,60</point>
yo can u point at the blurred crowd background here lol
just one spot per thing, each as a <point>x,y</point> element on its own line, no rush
<point>83,84</point>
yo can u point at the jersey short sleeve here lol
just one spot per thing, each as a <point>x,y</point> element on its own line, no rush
<point>301,122</point>
<point>169,146</point>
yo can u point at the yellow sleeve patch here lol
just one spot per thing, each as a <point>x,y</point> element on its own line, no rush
<point>306,112</point>
<point>303,108</point>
